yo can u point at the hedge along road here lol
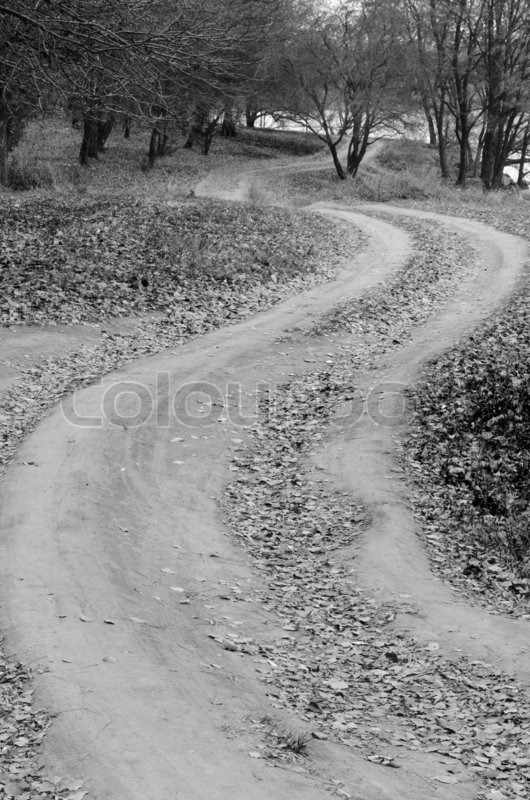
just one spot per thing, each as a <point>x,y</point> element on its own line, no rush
<point>115,559</point>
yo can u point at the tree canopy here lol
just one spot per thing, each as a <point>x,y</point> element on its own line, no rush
<point>350,71</point>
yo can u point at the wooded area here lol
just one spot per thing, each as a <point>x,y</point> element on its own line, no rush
<point>349,71</point>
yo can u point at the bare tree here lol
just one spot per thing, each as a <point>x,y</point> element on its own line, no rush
<point>506,75</point>
<point>109,57</point>
<point>473,65</point>
<point>346,84</point>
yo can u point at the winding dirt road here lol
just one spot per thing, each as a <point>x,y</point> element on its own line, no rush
<point>117,570</point>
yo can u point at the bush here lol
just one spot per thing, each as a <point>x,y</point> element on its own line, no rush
<point>405,154</point>
<point>22,176</point>
<point>379,187</point>
<point>293,143</point>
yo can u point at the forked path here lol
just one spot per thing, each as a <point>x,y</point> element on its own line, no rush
<point>117,571</point>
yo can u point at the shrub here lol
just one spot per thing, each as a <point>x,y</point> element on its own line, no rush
<point>294,143</point>
<point>404,154</point>
<point>380,187</point>
<point>22,176</point>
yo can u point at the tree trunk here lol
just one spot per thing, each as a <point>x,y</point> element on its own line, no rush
<point>338,166</point>
<point>229,126</point>
<point>200,122</point>
<point>442,155</point>
<point>3,153</point>
<point>522,164</point>
<point>162,144</point>
<point>470,160</point>
<point>433,139</point>
<point>127,127</point>
<point>463,141</point>
<point>462,168</point>
<point>89,145</point>
<point>488,157</point>
<point>158,139</point>
<point>251,115</point>
<point>104,131</point>
<point>477,158</point>
<point>442,142</point>
<point>162,135</point>
<point>208,135</point>
<point>358,146</point>
<point>154,144</point>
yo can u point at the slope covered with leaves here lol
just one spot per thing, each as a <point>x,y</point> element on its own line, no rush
<point>468,450</point>
<point>90,261</point>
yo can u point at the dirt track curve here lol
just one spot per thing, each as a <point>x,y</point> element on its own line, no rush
<point>107,528</point>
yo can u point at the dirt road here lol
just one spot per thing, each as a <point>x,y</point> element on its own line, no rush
<point>117,570</point>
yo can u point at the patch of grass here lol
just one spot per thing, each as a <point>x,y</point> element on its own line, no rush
<point>372,184</point>
<point>283,740</point>
<point>405,169</point>
<point>294,741</point>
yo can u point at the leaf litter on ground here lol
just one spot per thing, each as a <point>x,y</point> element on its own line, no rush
<point>89,261</point>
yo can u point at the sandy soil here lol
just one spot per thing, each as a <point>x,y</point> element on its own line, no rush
<point>117,570</point>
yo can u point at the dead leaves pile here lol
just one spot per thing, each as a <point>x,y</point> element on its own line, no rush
<point>90,261</point>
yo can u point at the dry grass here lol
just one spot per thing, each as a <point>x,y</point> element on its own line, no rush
<point>48,155</point>
<point>404,171</point>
